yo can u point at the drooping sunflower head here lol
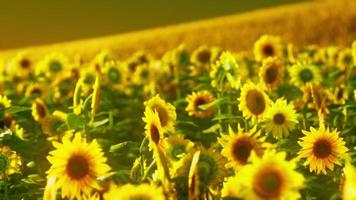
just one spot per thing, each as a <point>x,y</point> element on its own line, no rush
<point>53,65</point>
<point>10,162</point>
<point>345,59</point>
<point>237,147</point>
<point>210,167</point>
<point>280,119</point>
<point>197,99</point>
<point>302,74</point>
<point>322,149</point>
<point>270,177</point>
<point>271,73</point>
<point>178,146</point>
<point>154,131</point>
<point>39,110</point>
<point>254,102</point>
<point>166,112</point>
<point>77,164</point>
<point>268,46</point>
<point>135,192</point>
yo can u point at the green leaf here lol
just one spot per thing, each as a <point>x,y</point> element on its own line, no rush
<point>123,146</point>
<point>100,123</point>
<point>76,121</point>
<point>17,109</point>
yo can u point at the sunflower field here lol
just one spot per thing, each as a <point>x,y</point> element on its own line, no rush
<point>276,122</point>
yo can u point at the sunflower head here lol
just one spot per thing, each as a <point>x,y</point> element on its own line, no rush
<point>345,59</point>
<point>253,101</point>
<point>268,46</point>
<point>53,65</point>
<point>35,90</point>
<point>153,129</point>
<point>39,110</point>
<point>115,74</point>
<point>166,112</point>
<point>280,119</point>
<point>237,146</point>
<point>178,146</point>
<point>197,99</point>
<point>210,167</point>
<point>270,177</point>
<point>202,56</point>
<point>21,65</point>
<point>99,61</point>
<point>10,162</point>
<point>271,73</point>
<point>302,74</point>
<point>322,149</point>
<point>77,164</point>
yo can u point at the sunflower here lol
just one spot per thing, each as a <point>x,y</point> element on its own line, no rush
<point>321,148</point>
<point>53,65</point>
<point>153,129</point>
<point>197,99</point>
<point>211,167</point>
<point>280,119</point>
<point>270,177</point>
<point>39,110</point>
<point>77,164</point>
<point>302,74</point>
<point>268,46</point>
<point>253,101</point>
<point>21,65</point>
<point>237,147</point>
<point>50,125</point>
<point>226,72</point>
<point>10,162</point>
<point>271,73</point>
<point>99,61</point>
<point>135,192</point>
<point>344,59</point>
<point>349,187</point>
<point>178,146</point>
<point>166,112</point>
<point>115,74</point>
<point>36,90</point>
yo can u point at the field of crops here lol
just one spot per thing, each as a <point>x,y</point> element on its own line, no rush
<point>273,122</point>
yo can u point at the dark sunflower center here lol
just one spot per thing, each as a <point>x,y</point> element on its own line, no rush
<point>241,150</point>
<point>279,119</point>
<point>132,66</point>
<point>140,197</point>
<point>204,56</point>
<point>347,59</point>
<point>268,184</point>
<point>322,148</point>
<point>268,50</point>
<point>155,136</point>
<point>25,63</point>
<point>199,101</point>
<point>114,75</point>
<point>145,73</point>
<point>162,113</point>
<point>41,110</point>
<point>306,75</point>
<point>255,102</point>
<point>55,66</point>
<point>36,91</point>
<point>271,74</point>
<point>77,167</point>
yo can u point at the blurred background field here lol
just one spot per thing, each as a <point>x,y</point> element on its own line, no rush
<point>124,27</point>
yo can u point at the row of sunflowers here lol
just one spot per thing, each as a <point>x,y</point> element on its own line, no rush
<point>278,122</point>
